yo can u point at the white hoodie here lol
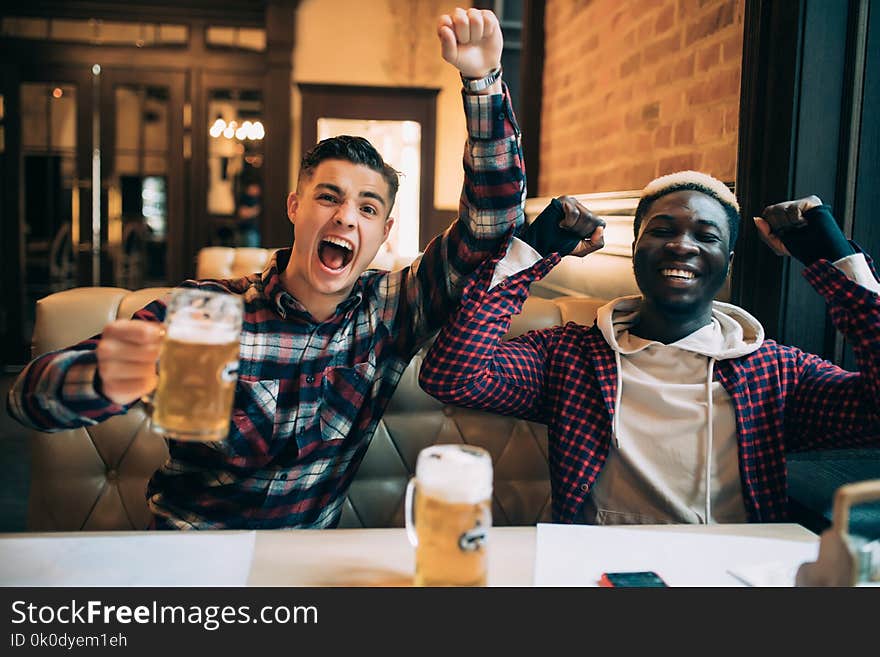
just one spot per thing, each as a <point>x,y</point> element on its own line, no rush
<point>674,427</point>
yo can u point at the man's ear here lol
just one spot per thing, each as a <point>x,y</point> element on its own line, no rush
<point>292,205</point>
<point>389,222</point>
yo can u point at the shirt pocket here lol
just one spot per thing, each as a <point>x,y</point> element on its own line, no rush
<point>345,391</point>
<point>253,421</point>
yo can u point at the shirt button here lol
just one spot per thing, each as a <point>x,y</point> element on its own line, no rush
<point>585,488</point>
<point>310,379</point>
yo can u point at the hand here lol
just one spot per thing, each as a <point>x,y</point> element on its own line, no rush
<point>803,229</point>
<point>565,227</point>
<point>590,228</point>
<point>778,218</point>
<point>471,41</point>
<point>127,354</point>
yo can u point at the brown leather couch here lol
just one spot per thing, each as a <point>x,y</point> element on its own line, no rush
<point>94,478</point>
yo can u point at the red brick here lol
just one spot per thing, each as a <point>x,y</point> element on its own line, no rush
<point>661,49</point>
<point>720,86</point>
<point>640,174</point>
<point>708,124</point>
<point>731,120</point>
<point>663,136</point>
<point>665,20</point>
<point>684,133</point>
<point>708,57</point>
<point>651,111</point>
<point>680,162</point>
<point>683,68</point>
<point>630,65</point>
<point>711,21</point>
<point>732,47</point>
<point>687,9</point>
<point>720,161</point>
<point>591,44</point>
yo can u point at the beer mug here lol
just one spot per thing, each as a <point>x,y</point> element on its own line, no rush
<point>453,512</point>
<point>198,365</point>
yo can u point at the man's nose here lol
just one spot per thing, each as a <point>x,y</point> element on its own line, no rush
<point>682,244</point>
<point>345,215</point>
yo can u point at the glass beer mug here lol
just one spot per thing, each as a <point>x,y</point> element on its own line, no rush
<point>198,365</point>
<point>452,488</point>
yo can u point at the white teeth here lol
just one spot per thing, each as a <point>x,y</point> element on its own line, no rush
<point>338,241</point>
<point>677,273</point>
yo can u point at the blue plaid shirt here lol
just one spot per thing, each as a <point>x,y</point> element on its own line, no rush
<point>310,394</point>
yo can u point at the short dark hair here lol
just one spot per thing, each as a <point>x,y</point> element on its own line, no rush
<point>733,219</point>
<point>356,150</point>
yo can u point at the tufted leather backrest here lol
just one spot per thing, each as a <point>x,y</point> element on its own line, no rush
<point>229,262</point>
<point>94,478</point>
<point>90,478</point>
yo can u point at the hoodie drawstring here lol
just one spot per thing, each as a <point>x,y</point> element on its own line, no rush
<point>615,422</point>
<point>709,443</point>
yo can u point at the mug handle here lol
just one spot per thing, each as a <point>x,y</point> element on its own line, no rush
<point>408,512</point>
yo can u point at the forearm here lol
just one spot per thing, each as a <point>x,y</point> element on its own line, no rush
<point>493,193</point>
<point>491,208</point>
<point>57,391</point>
<point>833,404</point>
<point>469,364</point>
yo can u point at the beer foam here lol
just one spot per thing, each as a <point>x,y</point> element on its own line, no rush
<point>455,473</point>
<point>197,332</point>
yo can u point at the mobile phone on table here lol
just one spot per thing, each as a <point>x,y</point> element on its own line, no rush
<point>642,578</point>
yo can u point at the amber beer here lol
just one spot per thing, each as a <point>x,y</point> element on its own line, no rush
<point>198,365</point>
<point>453,513</point>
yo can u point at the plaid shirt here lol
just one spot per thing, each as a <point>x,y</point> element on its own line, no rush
<point>784,400</point>
<point>309,394</point>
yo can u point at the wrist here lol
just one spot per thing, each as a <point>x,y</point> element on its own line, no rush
<point>490,82</point>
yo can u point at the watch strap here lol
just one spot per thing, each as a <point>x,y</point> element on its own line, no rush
<point>480,84</point>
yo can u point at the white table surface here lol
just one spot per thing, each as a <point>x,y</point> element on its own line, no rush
<point>340,557</point>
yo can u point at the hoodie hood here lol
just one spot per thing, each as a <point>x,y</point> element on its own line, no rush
<point>732,333</point>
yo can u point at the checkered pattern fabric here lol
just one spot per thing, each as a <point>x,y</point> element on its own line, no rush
<point>309,395</point>
<point>784,400</point>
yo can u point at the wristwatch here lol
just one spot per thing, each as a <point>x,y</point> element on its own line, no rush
<point>479,84</point>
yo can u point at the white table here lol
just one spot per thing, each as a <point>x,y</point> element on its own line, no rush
<point>341,557</point>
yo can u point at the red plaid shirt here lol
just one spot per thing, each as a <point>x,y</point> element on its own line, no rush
<point>309,394</point>
<point>784,400</point>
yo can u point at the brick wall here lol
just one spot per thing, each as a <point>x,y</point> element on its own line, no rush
<point>634,89</point>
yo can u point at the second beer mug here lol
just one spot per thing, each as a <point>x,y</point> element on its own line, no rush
<point>198,365</point>
<point>452,488</point>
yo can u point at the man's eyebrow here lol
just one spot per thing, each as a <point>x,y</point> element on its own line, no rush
<point>374,195</point>
<point>336,189</point>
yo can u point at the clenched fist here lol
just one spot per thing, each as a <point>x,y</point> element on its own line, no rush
<point>472,42</point>
<point>127,355</point>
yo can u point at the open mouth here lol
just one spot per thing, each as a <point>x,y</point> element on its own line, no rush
<point>335,253</point>
<point>678,274</point>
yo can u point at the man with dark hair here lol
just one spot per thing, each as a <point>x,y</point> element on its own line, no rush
<point>672,407</point>
<point>325,339</point>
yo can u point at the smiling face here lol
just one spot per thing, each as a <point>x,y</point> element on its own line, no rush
<point>340,215</point>
<point>682,253</point>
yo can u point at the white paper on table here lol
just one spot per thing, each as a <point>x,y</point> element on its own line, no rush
<point>577,555</point>
<point>154,559</point>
